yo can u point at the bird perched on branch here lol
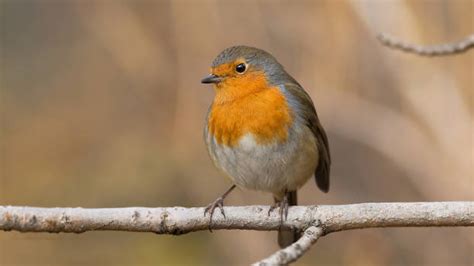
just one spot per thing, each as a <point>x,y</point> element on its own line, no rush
<point>262,130</point>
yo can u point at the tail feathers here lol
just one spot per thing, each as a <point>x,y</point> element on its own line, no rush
<point>287,237</point>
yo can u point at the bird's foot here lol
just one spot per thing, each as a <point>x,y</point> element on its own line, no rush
<point>218,203</point>
<point>283,211</point>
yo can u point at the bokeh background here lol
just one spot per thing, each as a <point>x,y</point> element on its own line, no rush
<point>101,106</point>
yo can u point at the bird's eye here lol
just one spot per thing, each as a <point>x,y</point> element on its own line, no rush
<point>240,68</point>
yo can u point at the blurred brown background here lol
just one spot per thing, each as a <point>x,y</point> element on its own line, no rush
<point>101,106</point>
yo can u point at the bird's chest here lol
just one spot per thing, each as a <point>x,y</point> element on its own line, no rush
<point>264,115</point>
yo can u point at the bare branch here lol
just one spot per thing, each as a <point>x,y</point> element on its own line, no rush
<point>433,50</point>
<point>314,220</point>
<point>179,220</point>
<point>295,251</point>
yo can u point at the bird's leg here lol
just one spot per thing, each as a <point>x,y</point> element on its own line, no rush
<point>283,205</point>
<point>218,203</point>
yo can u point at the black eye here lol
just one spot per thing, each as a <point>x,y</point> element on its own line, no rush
<point>240,68</point>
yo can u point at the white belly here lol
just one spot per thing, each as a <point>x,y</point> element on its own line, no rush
<point>275,168</point>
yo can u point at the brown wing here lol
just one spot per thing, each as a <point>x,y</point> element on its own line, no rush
<point>309,114</point>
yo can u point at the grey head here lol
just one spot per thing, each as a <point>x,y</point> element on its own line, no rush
<point>257,59</point>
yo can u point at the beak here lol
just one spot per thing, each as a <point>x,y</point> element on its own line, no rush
<point>211,79</point>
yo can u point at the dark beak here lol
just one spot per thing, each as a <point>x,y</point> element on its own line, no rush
<point>211,79</point>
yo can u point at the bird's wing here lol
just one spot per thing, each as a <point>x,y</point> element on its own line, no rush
<point>311,118</point>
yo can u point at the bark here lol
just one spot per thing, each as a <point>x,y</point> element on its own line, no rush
<point>315,221</point>
<point>295,251</point>
<point>179,220</point>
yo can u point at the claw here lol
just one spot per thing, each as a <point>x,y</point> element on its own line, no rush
<point>218,203</point>
<point>273,207</point>
<point>283,211</point>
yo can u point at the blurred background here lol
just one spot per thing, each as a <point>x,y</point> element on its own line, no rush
<point>102,106</point>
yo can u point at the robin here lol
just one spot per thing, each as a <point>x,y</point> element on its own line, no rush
<point>262,130</point>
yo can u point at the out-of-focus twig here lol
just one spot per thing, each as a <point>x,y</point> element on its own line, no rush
<point>429,50</point>
<point>293,252</point>
<point>315,220</point>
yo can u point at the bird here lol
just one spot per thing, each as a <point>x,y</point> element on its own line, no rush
<point>262,131</point>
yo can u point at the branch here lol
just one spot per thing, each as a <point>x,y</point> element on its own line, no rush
<point>433,50</point>
<point>295,250</point>
<point>314,220</point>
<point>179,220</point>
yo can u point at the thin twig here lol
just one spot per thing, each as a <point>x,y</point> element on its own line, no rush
<point>296,250</point>
<point>431,50</point>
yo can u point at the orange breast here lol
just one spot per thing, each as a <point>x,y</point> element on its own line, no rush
<point>263,112</point>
